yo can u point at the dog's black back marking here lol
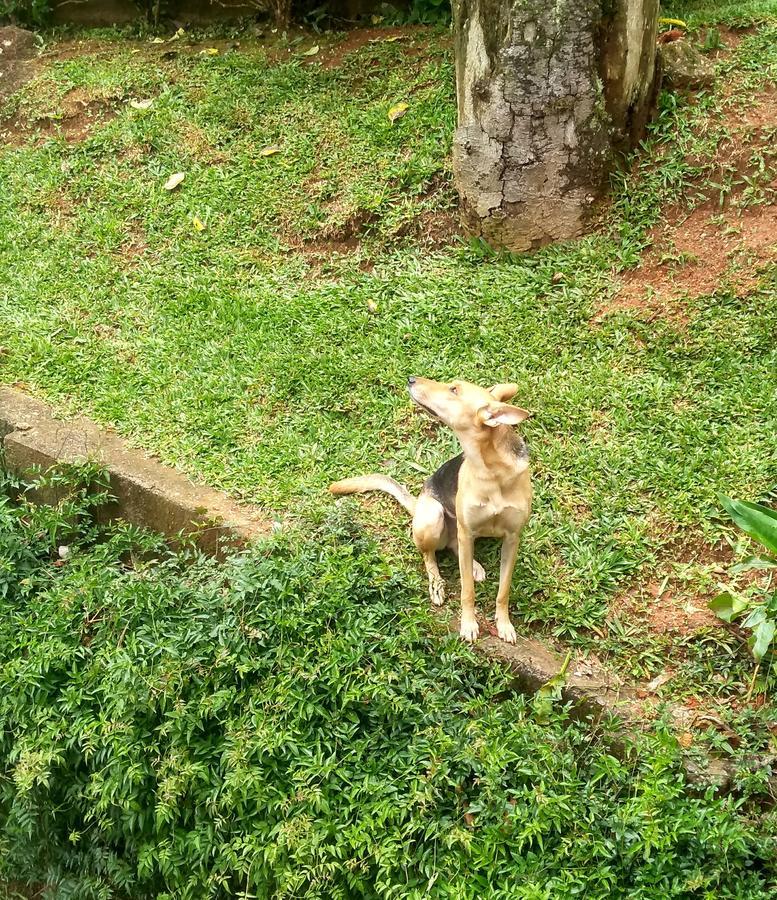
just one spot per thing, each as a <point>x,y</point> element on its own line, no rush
<point>444,484</point>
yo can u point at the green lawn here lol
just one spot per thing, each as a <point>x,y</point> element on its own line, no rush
<point>255,356</point>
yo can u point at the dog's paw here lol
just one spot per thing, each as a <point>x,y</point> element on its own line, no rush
<point>469,630</point>
<point>478,572</point>
<point>437,591</point>
<point>505,631</point>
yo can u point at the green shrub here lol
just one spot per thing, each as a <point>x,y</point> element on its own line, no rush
<point>25,12</point>
<point>286,725</point>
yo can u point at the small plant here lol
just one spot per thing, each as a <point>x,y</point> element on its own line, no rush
<point>712,41</point>
<point>760,615</point>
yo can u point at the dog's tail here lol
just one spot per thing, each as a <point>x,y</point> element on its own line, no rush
<point>376,483</point>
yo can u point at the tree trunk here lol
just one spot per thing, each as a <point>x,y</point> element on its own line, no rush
<point>547,93</point>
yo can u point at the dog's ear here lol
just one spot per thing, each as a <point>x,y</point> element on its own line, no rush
<point>502,414</point>
<point>503,392</point>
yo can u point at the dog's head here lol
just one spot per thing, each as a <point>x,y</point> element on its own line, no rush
<point>465,407</point>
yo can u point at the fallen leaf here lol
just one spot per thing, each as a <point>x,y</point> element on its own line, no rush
<point>156,40</point>
<point>210,51</point>
<point>174,180</point>
<point>658,681</point>
<point>179,34</point>
<point>270,151</point>
<point>668,37</point>
<point>387,40</point>
<point>141,104</point>
<point>199,225</point>
<point>372,306</point>
<point>312,51</point>
<point>397,111</point>
<point>685,740</point>
<point>584,669</point>
<point>717,723</point>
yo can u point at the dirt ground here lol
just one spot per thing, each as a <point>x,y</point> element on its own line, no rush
<point>723,241</point>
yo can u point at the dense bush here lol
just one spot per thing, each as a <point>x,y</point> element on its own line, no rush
<point>25,12</point>
<point>285,725</point>
<point>39,12</point>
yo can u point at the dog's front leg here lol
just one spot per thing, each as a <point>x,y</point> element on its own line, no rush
<point>469,629</point>
<point>504,627</point>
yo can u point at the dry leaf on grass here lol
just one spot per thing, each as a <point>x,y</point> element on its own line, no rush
<point>174,180</point>
<point>397,111</point>
<point>659,681</point>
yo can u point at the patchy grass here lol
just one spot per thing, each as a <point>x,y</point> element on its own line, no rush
<point>268,352</point>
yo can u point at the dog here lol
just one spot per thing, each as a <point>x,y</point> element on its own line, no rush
<point>485,491</point>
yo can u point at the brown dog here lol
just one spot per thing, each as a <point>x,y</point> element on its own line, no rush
<point>484,492</point>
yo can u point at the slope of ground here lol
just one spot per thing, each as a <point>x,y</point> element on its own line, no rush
<point>256,324</point>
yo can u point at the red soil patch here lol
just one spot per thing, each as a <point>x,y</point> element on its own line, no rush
<point>695,256</point>
<point>664,612</point>
<point>361,37</point>
<point>695,253</point>
<point>670,607</point>
<point>79,114</point>
<point>674,615</point>
<point>731,38</point>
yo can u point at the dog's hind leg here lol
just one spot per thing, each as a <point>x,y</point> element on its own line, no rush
<point>430,535</point>
<point>478,572</point>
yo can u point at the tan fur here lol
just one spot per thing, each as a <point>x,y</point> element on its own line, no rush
<point>493,497</point>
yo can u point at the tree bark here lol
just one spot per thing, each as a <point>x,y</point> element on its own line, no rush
<point>547,94</point>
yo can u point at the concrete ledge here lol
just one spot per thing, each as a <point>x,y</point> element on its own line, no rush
<point>147,493</point>
<point>595,694</point>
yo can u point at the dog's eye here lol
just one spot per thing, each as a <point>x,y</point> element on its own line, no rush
<point>453,389</point>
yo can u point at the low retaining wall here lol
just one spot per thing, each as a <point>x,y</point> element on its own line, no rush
<point>147,493</point>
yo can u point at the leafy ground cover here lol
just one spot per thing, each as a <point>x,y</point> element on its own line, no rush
<point>287,724</point>
<point>256,325</point>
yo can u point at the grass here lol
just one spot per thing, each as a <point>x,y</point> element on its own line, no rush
<point>285,725</point>
<point>256,356</point>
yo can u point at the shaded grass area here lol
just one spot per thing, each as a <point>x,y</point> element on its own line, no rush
<point>738,14</point>
<point>240,356</point>
<point>288,725</point>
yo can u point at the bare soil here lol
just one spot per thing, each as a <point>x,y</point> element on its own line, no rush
<point>354,40</point>
<point>724,242</point>
<point>80,113</point>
